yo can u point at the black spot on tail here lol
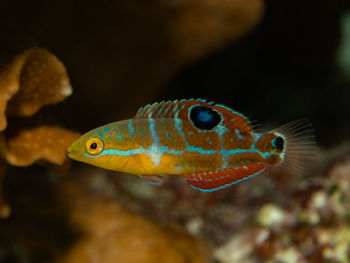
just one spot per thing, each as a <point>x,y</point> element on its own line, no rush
<point>278,143</point>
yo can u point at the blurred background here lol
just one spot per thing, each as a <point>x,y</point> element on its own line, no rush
<point>274,61</point>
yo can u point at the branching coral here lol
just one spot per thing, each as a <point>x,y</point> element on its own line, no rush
<point>35,78</point>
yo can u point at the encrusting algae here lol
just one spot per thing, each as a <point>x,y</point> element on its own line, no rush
<point>33,79</point>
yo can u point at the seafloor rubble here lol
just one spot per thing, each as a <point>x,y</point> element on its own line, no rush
<point>273,218</point>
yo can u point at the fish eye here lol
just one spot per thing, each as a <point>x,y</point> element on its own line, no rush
<point>94,145</point>
<point>278,143</point>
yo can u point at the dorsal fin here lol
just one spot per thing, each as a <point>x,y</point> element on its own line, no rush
<point>180,108</point>
<point>167,109</point>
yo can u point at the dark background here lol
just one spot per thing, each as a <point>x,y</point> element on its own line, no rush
<point>121,55</point>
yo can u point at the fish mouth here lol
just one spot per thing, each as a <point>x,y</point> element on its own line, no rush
<point>70,152</point>
<point>74,154</point>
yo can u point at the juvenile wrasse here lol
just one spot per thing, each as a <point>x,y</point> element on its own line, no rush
<point>211,145</point>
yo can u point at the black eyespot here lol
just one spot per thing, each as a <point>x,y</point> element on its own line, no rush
<point>204,118</point>
<point>93,146</point>
<point>278,143</point>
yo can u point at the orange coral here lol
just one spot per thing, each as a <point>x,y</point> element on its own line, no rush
<point>33,79</point>
<point>43,142</point>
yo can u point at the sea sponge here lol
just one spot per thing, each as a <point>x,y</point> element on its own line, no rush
<point>33,79</point>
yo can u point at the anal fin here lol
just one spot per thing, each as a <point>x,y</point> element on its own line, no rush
<point>215,180</point>
<point>153,179</point>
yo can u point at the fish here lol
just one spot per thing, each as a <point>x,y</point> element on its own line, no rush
<point>209,144</point>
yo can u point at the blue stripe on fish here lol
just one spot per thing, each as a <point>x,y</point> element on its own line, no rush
<point>190,148</point>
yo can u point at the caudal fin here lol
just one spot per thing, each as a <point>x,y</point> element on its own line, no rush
<point>300,147</point>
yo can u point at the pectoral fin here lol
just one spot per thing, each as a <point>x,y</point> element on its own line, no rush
<point>153,179</point>
<point>212,181</point>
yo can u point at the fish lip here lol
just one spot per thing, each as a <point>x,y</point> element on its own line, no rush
<point>70,152</point>
<point>74,154</point>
